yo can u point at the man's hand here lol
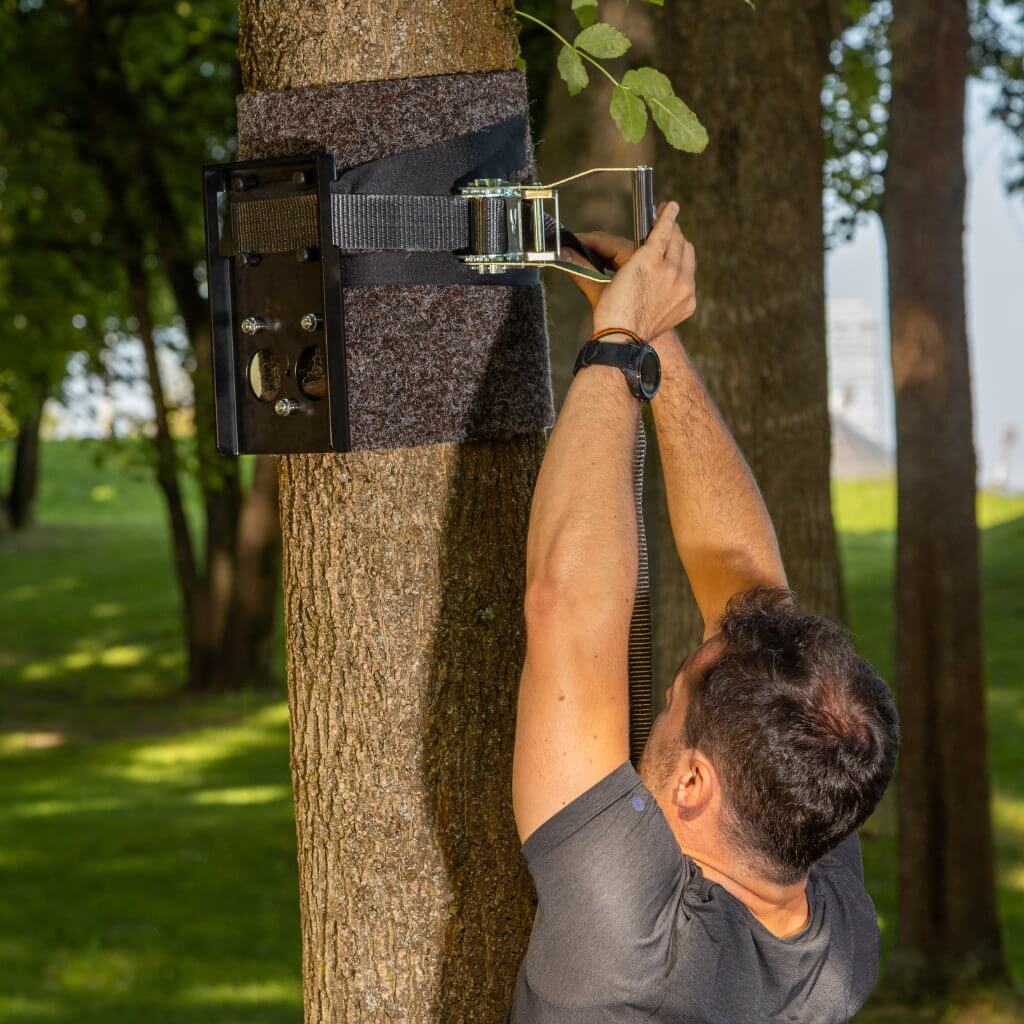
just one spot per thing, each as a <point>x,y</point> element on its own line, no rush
<point>653,289</point>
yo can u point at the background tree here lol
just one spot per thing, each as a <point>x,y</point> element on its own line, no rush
<point>896,126</point>
<point>948,926</point>
<point>752,207</point>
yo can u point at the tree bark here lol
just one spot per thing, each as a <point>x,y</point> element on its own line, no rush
<point>948,928</point>
<point>21,492</point>
<point>752,206</point>
<point>404,577</point>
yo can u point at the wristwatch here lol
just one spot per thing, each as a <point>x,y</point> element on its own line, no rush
<point>639,364</point>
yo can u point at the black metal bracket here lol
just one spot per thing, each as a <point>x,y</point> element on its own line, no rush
<point>278,338</point>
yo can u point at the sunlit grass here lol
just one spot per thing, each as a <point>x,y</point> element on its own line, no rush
<point>147,850</point>
<point>866,515</point>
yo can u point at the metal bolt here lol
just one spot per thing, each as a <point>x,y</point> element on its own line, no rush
<point>307,255</point>
<point>253,325</point>
<point>243,184</point>
<point>311,322</point>
<point>286,407</point>
<point>301,177</point>
<point>250,259</point>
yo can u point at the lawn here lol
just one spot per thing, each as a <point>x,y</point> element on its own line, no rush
<point>146,843</point>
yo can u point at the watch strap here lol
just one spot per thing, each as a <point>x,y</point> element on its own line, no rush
<point>606,353</point>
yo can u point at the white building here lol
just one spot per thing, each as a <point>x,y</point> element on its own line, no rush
<point>857,372</point>
<point>855,368</point>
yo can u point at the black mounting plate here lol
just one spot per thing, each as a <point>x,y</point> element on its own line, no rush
<point>278,388</point>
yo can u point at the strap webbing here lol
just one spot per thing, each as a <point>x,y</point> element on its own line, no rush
<point>641,661</point>
<point>371,223</point>
<point>363,223</point>
<point>272,225</point>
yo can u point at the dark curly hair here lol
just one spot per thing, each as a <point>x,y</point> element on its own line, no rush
<point>801,730</point>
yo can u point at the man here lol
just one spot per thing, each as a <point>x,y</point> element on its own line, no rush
<point>724,882</point>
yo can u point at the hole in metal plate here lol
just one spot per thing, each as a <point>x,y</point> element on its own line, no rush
<point>265,375</point>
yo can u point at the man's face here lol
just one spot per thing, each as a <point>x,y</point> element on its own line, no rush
<point>665,746</point>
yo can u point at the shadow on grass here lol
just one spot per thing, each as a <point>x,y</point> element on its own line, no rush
<point>151,881</point>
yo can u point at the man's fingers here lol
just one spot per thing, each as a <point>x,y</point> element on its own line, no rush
<point>676,251</point>
<point>613,247</point>
<point>661,233</point>
<point>591,289</point>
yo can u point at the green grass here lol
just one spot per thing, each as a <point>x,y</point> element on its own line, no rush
<point>147,851</point>
<point>865,515</point>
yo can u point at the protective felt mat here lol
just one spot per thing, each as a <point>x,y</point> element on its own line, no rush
<point>426,363</point>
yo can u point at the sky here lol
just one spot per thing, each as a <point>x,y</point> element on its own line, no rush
<point>994,249</point>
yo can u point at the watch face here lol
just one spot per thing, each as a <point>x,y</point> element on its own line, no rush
<point>650,373</point>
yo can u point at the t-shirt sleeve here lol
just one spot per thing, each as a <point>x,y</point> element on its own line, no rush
<point>605,867</point>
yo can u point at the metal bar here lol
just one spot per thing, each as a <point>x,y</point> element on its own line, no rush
<point>643,203</point>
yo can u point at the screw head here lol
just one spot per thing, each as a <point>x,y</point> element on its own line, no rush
<point>311,322</point>
<point>301,177</point>
<point>243,183</point>
<point>252,325</point>
<point>307,255</point>
<point>250,259</point>
<point>286,407</point>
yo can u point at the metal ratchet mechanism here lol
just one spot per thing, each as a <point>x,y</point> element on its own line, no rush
<point>525,213</point>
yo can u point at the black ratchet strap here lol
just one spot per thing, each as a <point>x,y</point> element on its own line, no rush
<point>398,220</point>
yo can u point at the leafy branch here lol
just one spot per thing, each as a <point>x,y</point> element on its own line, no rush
<point>639,90</point>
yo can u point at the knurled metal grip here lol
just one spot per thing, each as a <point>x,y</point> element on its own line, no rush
<point>275,299</point>
<point>527,218</point>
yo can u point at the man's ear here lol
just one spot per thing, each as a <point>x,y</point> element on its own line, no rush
<point>695,785</point>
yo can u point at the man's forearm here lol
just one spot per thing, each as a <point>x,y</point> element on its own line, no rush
<point>722,530</point>
<point>582,540</point>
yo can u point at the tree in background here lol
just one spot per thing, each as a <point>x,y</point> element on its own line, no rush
<point>50,266</point>
<point>132,98</point>
<point>752,207</point>
<point>896,124</point>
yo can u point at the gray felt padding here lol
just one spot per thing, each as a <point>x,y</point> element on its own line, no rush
<point>426,363</point>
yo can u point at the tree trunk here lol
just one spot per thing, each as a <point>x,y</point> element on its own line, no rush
<point>21,493</point>
<point>245,656</point>
<point>167,472</point>
<point>752,206</point>
<point>947,926</point>
<point>404,573</point>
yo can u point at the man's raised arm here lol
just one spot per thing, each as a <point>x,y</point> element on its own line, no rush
<point>722,530</point>
<point>572,727</point>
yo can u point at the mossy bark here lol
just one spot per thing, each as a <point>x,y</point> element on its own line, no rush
<point>403,575</point>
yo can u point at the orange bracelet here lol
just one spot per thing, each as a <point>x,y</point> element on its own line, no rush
<point>617,330</point>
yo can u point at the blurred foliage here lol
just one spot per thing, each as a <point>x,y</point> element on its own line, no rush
<point>857,91</point>
<point>111,106</point>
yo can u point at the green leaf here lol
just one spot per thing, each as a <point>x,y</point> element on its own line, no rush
<point>570,67</point>
<point>649,83</point>
<point>661,3</point>
<point>679,124</point>
<point>586,11</point>
<point>602,40</point>
<point>629,113</point>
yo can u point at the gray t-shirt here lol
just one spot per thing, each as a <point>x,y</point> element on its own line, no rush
<point>628,929</point>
